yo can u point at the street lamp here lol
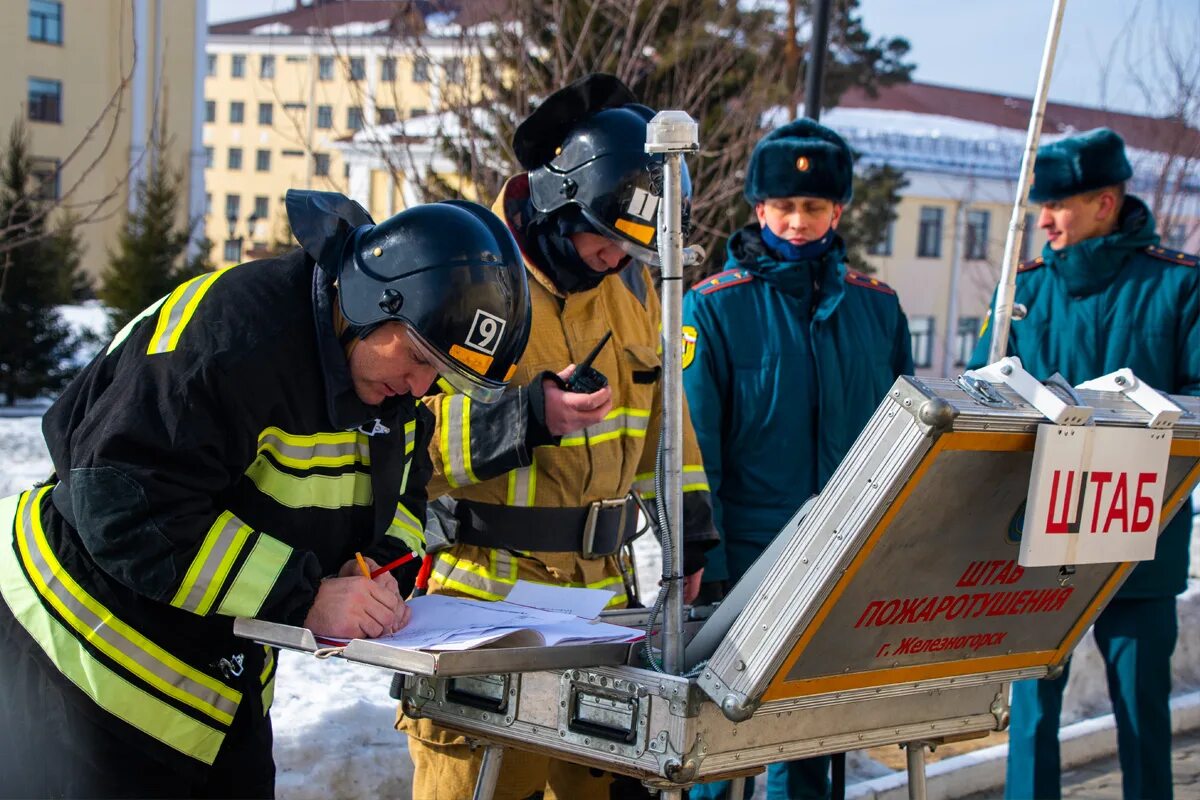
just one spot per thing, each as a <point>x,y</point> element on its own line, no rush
<point>233,245</point>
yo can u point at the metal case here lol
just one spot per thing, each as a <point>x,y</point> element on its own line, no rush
<point>890,610</point>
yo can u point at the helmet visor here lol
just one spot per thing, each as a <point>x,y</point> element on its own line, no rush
<point>642,253</point>
<point>464,380</point>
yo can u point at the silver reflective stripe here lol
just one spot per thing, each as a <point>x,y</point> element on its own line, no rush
<point>453,446</point>
<point>622,421</point>
<point>176,309</point>
<point>215,557</point>
<point>344,452</point>
<point>106,632</point>
<point>522,485</point>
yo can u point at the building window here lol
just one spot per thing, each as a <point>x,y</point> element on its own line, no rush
<point>358,68</point>
<point>212,66</point>
<point>1027,239</point>
<point>266,113</point>
<point>295,107</point>
<point>324,117</point>
<point>929,235</point>
<point>387,68</point>
<point>354,118</point>
<point>884,246</point>
<point>207,203</point>
<point>417,112</point>
<point>237,112</point>
<point>454,70</point>
<point>233,251</point>
<point>964,342</point>
<point>235,158</point>
<point>261,206</point>
<point>44,172</point>
<point>420,70</point>
<point>296,59</point>
<point>978,223</point>
<point>292,153</point>
<point>921,330</point>
<point>325,68</point>
<point>262,161</point>
<point>45,100</point>
<point>266,67</point>
<point>208,158</point>
<point>321,163</point>
<point>210,110</point>
<point>238,68</point>
<point>233,206</point>
<point>387,116</point>
<point>45,22</point>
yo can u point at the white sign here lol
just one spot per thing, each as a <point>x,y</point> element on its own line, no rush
<point>1095,495</point>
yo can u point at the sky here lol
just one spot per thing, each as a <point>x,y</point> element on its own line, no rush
<point>996,45</point>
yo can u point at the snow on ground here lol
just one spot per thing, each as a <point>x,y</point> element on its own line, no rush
<point>333,720</point>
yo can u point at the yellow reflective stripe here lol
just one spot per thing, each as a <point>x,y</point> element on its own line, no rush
<point>123,334</point>
<point>311,491</point>
<point>207,573</point>
<point>267,679</point>
<point>106,632</point>
<point>444,386</point>
<point>407,528</point>
<point>488,583</point>
<point>522,486</point>
<point>632,422</point>
<point>410,436</point>
<point>256,577</point>
<point>109,690</point>
<point>455,440</point>
<point>340,449</point>
<point>177,312</point>
<point>643,482</point>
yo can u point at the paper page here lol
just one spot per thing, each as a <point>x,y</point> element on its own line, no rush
<point>573,600</point>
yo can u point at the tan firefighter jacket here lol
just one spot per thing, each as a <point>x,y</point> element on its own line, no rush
<point>480,452</point>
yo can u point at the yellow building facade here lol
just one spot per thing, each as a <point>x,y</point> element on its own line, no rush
<point>65,64</point>
<point>280,95</point>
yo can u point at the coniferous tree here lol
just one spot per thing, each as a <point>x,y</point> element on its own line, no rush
<point>865,222</point>
<point>36,346</point>
<point>150,259</point>
<point>65,250</point>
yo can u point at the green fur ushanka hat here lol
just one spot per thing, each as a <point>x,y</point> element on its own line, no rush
<point>801,159</point>
<point>1079,164</point>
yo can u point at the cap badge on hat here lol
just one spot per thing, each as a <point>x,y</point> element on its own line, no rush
<point>802,163</point>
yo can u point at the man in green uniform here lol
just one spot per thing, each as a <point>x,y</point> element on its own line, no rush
<point>1102,296</point>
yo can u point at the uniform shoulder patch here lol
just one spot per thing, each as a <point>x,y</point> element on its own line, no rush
<point>723,280</point>
<point>856,278</point>
<point>1173,256</point>
<point>1031,264</point>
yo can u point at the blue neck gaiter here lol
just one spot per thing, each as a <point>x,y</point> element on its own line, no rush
<point>796,252</point>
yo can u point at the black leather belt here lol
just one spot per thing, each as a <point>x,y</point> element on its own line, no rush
<point>594,531</point>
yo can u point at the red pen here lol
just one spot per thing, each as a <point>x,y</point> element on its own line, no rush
<point>391,565</point>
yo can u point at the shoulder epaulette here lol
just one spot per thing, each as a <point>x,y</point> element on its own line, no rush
<point>1173,256</point>
<point>723,280</point>
<point>1031,264</point>
<point>855,278</point>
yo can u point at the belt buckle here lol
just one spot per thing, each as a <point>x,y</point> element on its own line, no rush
<point>593,518</point>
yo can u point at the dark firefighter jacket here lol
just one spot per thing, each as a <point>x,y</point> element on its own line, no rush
<point>210,464</point>
<point>1104,304</point>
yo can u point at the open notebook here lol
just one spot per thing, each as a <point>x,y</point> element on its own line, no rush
<point>534,615</point>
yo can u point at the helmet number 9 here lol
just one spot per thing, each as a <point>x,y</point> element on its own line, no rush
<point>486,330</point>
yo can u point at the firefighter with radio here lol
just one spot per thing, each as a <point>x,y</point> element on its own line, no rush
<point>584,215</point>
<point>1103,296</point>
<point>786,355</point>
<point>228,455</point>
